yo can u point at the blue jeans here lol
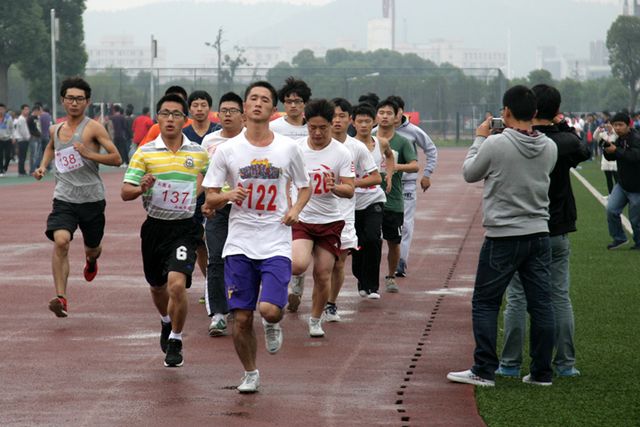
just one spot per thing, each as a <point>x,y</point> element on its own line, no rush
<point>618,199</point>
<point>515,314</point>
<point>35,154</point>
<point>499,261</point>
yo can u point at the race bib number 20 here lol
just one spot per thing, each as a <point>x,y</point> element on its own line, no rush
<point>68,160</point>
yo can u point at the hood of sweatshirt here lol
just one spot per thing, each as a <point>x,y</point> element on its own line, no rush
<point>529,146</point>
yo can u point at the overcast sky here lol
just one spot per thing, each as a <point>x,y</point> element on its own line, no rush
<point>95,5</point>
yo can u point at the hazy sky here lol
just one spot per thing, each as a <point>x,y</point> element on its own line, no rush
<point>95,5</point>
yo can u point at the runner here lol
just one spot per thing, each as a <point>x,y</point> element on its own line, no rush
<point>365,263</point>
<point>257,164</point>
<point>230,112</point>
<point>367,176</point>
<point>166,173</point>
<point>317,236</point>
<point>294,95</point>
<point>78,198</point>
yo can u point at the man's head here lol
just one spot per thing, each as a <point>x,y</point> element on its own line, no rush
<point>178,90</point>
<point>24,110</point>
<point>199,105</point>
<point>400,102</point>
<point>36,110</point>
<point>230,111</point>
<point>548,101</point>
<point>294,95</point>
<point>171,112</point>
<point>369,98</point>
<point>145,111</point>
<point>117,110</point>
<point>519,105</point>
<point>364,118</point>
<point>319,114</point>
<point>260,100</point>
<point>387,111</point>
<point>620,123</point>
<point>76,95</point>
<point>341,116</point>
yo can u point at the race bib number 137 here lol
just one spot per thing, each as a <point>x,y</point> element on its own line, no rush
<point>172,195</point>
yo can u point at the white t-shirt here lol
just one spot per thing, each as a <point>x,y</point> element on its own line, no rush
<point>255,227</point>
<point>211,141</point>
<point>281,126</point>
<point>366,196</point>
<point>323,207</point>
<point>364,164</point>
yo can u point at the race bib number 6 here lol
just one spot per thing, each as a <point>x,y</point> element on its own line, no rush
<point>68,160</point>
<point>172,195</point>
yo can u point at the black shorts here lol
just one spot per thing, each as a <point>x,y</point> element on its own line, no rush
<point>69,216</point>
<point>199,218</point>
<point>392,226</point>
<point>168,246</point>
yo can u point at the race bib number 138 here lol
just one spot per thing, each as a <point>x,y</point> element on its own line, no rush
<point>68,159</point>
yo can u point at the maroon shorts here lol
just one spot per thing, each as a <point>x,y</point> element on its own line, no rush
<point>327,236</point>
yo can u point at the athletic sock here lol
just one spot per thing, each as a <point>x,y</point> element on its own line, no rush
<point>165,319</point>
<point>251,372</point>
<point>175,336</point>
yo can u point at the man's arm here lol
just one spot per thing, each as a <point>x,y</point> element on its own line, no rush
<point>390,162</point>
<point>476,164</point>
<point>131,192</point>
<point>100,135</point>
<point>291,217</point>
<point>372,178</point>
<point>47,156</point>
<point>344,189</point>
<point>412,166</point>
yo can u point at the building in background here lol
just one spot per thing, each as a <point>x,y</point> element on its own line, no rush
<point>120,51</point>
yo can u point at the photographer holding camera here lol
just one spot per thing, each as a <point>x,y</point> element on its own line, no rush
<point>626,152</point>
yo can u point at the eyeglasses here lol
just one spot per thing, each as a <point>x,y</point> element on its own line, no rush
<point>175,114</point>
<point>293,101</point>
<point>230,111</point>
<point>76,99</point>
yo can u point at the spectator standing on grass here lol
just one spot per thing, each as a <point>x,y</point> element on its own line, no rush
<point>33,123</point>
<point>625,151</point>
<point>6,139</point>
<point>515,167</point>
<point>562,221</point>
<point>22,136</point>
<point>605,135</point>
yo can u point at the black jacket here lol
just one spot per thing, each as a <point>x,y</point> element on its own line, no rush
<point>627,156</point>
<point>33,126</point>
<point>562,204</point>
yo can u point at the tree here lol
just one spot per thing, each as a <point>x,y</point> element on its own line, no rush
<point>226,64</point>
<point>537,77</point>
<point>23,34</point>
<point>623,42</point>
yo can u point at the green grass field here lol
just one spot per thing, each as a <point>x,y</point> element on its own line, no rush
<point>605,291</point>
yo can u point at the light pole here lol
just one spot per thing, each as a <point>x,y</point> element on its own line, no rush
<point>154,54</point>
<point>55,36</point>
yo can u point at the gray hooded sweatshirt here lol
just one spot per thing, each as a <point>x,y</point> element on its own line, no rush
<point>515,168</point>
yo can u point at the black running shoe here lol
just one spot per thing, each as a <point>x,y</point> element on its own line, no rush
<point>164,335</point>
<point>174,358</point>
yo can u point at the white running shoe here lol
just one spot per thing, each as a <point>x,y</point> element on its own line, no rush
<point>218,326</point>
<point>315,328</point>
<point>362,293</point>
<point>330,313</point>
<point>468,377</point>
<point>272,336</point>
<point>250,382</point>
<point>529,380</point>
<point>373,295</point>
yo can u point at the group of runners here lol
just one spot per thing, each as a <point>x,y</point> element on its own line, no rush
<point>325,180</point>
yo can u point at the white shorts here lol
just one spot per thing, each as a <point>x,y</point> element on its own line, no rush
<point>348,238</point>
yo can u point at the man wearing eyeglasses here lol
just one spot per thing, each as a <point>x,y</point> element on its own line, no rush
<point>167,174</point>
<point>294,95</point>
<point>216,228</point>
<point>78,198</point>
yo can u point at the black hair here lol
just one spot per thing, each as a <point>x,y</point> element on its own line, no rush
<point>388,102</point>
<point>266,85</point>
<point>398,100</point>
<point>363,109</point>
<point>145,110</point>
<point>22,107</point>
<point>173,97</point>
<point>2,105</point>
<point>231,97</point>
<point>621,117</point>
<point>299,87</point>
<point>75,83</point>
<point>343,104</point>
<point>548,101</point>
<point>36,107</point>
<point>319,108</point>
<point>521,101</point>
<point>200,94</point>
<point>179,90</point>
<point>117,108</point>
<point>369,98</point>
<point>129,109</point>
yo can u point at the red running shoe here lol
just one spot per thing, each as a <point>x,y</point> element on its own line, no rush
<point>90,270</point>
<point>59,306</point>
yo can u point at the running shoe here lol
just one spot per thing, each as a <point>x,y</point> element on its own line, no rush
<point>392,286</point>
<point>468,377</point>
<point>90,270</point>
<point>363,293</point>
<point>373,295</point>
<point>174,358</point>
<point>616,244</point>
<point>59,306</point>
<point>272,336</point>
<point>315,328</point>
<point>164,335</point>
<point>528,379</point>
<point>330,313</point>
<point>401,271</point>
<point>250,382</point>
<point>218,326</point>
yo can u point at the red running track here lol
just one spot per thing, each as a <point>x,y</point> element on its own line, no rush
<point>385,364</point>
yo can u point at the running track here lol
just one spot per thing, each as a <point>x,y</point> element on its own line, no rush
<point>385,364</point>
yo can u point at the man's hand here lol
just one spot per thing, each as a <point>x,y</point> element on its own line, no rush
<point>237,195</point>
<point>81,149</point>
<point>425,183</point>
<point>610,149</point>
<point>207,212</point>
<point>329,181</point>
<point>484,130</point>
<point>389,182</point>
<point>147,182</point>
<point>39,173</point>
<point>290,218</point>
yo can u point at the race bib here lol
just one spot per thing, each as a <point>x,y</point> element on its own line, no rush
<point>68,160</point>
<point>172,195</point>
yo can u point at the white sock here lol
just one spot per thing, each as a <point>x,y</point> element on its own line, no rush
<point>175,336</point>
<point>165,319</point>
<point>251,372</point>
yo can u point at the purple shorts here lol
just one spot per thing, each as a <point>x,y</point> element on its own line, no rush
<point>243,276</point>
